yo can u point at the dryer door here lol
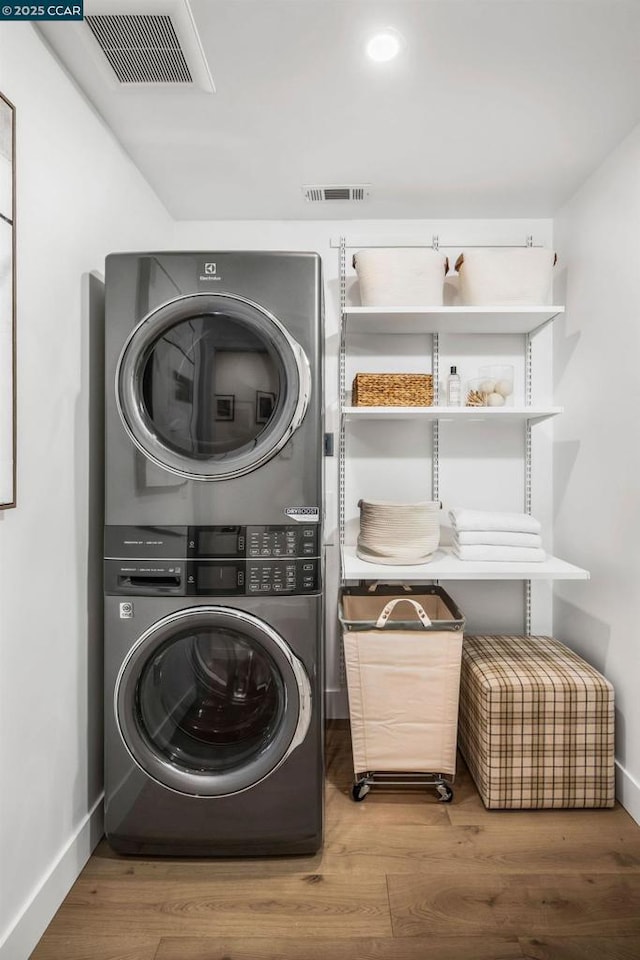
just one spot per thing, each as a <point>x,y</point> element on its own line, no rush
<point>211,700</point>
<point>211,386</point>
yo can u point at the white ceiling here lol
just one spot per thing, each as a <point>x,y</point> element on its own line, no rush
<point>496,108</point>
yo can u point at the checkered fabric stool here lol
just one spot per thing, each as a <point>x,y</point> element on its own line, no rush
<point>536,724</point>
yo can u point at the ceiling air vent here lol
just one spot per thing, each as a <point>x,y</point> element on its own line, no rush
<point>149,42</point>
<point>349,192</point>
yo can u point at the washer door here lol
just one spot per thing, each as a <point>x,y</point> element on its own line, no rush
<point>211,386</point>
<point>211,700</point>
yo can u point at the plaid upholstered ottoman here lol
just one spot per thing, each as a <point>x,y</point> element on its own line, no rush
<point>536,724</point>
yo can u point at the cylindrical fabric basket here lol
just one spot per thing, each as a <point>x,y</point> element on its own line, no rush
<point>398,533</point>
<point>401,276</point>
<point>403,679</point>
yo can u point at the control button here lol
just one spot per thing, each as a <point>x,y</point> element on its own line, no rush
<point>265,552</point>
<point>307,566</point>
<point>265,587</point>
<point>308,532</point>
<point>307,550</point>
<point>277,552</point>
<point>277,588</point>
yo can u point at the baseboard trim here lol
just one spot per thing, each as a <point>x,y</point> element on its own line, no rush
<point>628,792</point>
<point>36,915</point>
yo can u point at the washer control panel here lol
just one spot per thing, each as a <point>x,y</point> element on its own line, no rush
<point>298,576</point>
<point>212,578</point>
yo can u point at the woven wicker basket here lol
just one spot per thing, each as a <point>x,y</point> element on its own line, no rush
<point>392,390</point>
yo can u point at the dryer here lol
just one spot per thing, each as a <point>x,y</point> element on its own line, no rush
<point>213,388</point>
<point>213,705</point>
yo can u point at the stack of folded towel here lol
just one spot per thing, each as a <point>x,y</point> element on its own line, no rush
<point>480,535</point>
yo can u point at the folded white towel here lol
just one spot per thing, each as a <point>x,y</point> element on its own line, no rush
<point>486,520</point>
<point>479,551</point>
<point>503,538</point>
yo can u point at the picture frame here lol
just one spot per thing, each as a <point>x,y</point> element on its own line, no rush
<point>225,406</point>
<point>8,437</point>
<point>265,403</point>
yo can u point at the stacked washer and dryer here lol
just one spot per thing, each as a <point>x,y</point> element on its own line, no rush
<point>213,570</point>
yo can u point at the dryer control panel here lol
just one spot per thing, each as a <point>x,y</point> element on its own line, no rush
<point>228,542</point>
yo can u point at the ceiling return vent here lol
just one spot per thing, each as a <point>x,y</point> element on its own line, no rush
<point>348,192</point>
<point>149,42</point>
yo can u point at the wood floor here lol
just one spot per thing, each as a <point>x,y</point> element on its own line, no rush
<point>401,877</point>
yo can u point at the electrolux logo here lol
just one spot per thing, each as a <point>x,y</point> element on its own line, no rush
<point>210,272</point>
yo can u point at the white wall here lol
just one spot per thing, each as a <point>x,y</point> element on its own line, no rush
<point>597,445</point>
<point>79,197</point>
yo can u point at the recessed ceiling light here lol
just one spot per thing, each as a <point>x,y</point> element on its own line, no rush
<point>384,46</point>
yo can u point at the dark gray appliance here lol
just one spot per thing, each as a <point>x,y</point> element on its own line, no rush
<point>213,674</point>
<point>213,388</point>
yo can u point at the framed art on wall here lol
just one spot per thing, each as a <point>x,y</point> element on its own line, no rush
<point>265,402</point>
<point>7,306</point>
<point>225,406</point>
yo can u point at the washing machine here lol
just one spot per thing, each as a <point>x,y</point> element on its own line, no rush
<point>213,388</point>
<point>213,698</point>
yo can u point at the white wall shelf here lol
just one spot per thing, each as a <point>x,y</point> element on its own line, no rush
<point>446,566</point>
<point>392,321</point>
<point>416,320</point>
<point>460,414</point>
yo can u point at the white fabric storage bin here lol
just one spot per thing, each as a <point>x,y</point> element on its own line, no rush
<point>520,277</point>
<point>401,276</point>
<point>403,680</point>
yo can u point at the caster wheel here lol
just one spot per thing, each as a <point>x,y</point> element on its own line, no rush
<point>360,790</point>
<point>446,793</point>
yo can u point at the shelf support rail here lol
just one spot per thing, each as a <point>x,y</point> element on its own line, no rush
<point>435,243</point>
<point>341,392</point>
<point>435,429</point>
<point>528,388</point>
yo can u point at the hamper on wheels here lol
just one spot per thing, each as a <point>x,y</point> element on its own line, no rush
<point>402,651</point>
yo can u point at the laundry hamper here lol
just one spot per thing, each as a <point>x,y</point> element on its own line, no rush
<point>536,724</point>
<point>402,653</point>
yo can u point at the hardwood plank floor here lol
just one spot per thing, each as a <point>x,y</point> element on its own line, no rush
<point>401,877</point>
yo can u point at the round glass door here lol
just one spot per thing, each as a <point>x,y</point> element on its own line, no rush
<point>211,700</point>
<point>211,386</point>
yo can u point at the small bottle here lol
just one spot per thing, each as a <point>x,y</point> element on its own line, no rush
<point>454,389</point>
